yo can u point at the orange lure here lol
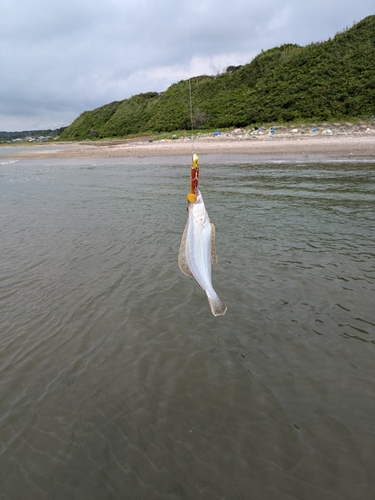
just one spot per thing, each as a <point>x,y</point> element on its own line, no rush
<point>194,177</point>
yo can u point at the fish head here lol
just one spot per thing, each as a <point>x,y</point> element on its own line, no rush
<point>198,210</point>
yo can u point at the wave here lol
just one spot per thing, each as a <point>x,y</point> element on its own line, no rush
<point>7,162</point>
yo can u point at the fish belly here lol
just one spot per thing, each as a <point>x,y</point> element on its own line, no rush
<point>198,256</point>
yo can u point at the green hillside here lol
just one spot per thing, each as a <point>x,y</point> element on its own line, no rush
<point>332,80</point>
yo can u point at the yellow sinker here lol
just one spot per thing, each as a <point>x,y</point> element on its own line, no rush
<point>191,197</point>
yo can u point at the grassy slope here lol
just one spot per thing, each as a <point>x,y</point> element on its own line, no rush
<point>331,80</point>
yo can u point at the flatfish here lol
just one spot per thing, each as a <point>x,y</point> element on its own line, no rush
<point>197,256</point>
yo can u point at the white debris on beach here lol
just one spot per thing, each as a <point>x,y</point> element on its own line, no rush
<point>281,132</point>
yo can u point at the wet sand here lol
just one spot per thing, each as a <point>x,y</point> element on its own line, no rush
<point>279,146</point>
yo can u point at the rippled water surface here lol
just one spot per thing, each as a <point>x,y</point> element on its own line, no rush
<point>115,379</point>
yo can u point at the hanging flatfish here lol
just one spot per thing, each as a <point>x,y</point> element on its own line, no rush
<point>197,255</point>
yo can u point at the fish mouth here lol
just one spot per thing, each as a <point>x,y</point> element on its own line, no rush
<point>197,195</point>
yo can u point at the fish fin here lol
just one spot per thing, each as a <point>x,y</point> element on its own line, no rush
<point>182,264</point>
<point>214,258</point>
<point>218,308</point>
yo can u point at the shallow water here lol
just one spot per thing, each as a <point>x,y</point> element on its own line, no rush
<point>9,150</point>
<point>115,379</point>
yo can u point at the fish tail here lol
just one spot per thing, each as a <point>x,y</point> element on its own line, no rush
<point>218,307</point>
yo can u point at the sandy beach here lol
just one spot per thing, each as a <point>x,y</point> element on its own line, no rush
<point>309,146</point>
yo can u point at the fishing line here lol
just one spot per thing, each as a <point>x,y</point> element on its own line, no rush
<point>190,92</point>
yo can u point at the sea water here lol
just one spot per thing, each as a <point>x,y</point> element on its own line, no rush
<point>115,379</point>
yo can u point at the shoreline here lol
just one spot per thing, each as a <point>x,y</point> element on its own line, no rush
<point>266,147</point>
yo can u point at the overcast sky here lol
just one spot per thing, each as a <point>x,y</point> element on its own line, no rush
<point>58,59</point>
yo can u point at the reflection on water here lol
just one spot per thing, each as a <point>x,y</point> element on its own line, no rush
<point>117,381</point>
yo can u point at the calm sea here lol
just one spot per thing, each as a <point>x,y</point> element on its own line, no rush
<point>116,382</point>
